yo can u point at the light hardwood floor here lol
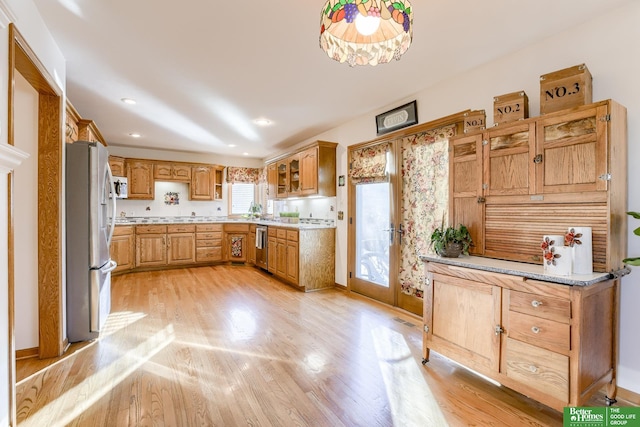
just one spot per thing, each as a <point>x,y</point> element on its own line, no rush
<point>231,346</point>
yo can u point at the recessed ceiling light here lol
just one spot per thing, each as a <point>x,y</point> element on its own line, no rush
<point>232,145</point>
<point>262,122</point>
<point>245,154</point>
<point>129,101</point>
<point>135,135</point>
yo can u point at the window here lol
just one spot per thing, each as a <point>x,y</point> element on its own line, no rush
<point>242,195</point>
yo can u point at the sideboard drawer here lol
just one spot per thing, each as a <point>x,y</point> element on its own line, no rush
<point>541,332</point>
<point>542,306</point>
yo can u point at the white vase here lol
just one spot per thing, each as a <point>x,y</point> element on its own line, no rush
<point>562,263</point>
<point>582,252</point>
<point>557,239</point>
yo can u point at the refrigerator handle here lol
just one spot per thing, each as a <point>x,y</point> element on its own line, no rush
<point>110,266</point>
<point>112,226</point>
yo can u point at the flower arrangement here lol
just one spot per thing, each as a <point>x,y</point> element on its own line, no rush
<point>548,251</point>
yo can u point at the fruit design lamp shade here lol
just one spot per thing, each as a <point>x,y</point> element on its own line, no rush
<point>366,32</point>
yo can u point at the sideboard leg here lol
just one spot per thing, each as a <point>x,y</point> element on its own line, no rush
<point>425,359</point>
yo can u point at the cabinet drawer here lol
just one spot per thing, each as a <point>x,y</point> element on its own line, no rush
<point>541,369</point>
<point>541,332</point>
<point>272,231</point>
<point>208,254</point>
<point>542,306</point>
<point>281,233</point>
<point>242,228</point>
<point>123,230</point>
<point>207,243</point>
<point>151,229</point>
<point>292,235</point>
<point>209,235</point>
<point>181,228</point>
<point>208,227</point>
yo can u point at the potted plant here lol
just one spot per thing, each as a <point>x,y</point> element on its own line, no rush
<point>451,241</point>
<point>636,260</point>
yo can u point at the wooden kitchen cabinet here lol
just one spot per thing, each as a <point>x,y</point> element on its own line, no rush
<point>541,176</point>
<point>151,245</point>
<point>71,123</point>
<point>122,248</point>
<point>88,131</point>
<point>235,242</point>
<point>141,183</point>
<point>117,166</point>
<point>251,245</point>
<point>208,242</point>
<point>281,253</point>
<point>292,255</point>
<point>202,183</point>
<point>272,248</point>
<point>310,171</point>
<point>554,343</point>
<point>181,244</point>
<point>166,171</point>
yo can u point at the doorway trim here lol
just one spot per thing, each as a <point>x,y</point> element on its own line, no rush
<point>23,60</point>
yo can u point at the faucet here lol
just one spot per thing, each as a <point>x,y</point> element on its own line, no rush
<point>193,214</point>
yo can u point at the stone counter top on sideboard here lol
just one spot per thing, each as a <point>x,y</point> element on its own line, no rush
<point>303,225</point>
<point>529,271</point>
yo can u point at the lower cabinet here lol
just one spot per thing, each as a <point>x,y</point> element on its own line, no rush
<point>251,245</point>
<point>208,242</point>
<point>554,343</point>
<point>123,246</point>
<point>159,245</point>
<point>235,242</point>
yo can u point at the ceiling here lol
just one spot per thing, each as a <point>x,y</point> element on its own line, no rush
<point>203,71</point>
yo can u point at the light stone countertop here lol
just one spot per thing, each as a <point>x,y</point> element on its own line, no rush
<point>530,271</point>
<point>305,223</point>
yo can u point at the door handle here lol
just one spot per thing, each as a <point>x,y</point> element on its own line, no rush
<point>391,231</point>
<point>400,232</point>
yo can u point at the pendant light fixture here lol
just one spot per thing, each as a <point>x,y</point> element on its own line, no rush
<point>366,32</point>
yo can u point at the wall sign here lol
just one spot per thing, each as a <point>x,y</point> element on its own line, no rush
<point>397,118</point>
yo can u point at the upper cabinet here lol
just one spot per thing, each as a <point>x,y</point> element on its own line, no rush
<point>141,183</point>
<point>71,123</point>
<point>166,171</point>
<point>88,131</point>
<point>308,172</point>
<point>206,182</point>
<point>514,183</point>
<point>117,166</point>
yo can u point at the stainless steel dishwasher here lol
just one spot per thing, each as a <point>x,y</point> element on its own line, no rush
<point>261,246</point>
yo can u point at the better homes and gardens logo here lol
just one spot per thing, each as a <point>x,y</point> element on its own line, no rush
<point>601,417</point>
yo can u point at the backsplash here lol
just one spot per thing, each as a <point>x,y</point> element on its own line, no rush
<point>168,193</point>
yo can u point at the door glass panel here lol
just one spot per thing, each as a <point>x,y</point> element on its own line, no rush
<point>372,233</point>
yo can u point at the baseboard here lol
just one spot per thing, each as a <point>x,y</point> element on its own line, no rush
<point>629,396</point>
<point>27,353</point>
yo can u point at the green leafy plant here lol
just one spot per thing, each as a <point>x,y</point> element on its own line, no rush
<point>636,260</point>
<point>442,236</point>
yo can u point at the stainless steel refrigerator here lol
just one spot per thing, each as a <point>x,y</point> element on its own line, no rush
<point>90,220</point>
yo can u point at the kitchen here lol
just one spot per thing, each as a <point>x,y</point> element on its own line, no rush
<point>613,81</point>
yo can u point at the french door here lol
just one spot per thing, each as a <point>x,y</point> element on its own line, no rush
<point>398,194</point>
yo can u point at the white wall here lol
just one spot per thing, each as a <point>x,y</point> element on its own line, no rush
<point>608,46</point>
<point>25,224</point>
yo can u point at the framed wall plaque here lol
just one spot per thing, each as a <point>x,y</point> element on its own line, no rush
<point>398,118</point>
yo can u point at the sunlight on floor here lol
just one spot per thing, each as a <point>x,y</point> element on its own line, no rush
<point>75,401</point>
<point>402,377</point>
<point>120,320</point>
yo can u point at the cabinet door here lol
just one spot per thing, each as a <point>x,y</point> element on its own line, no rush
<point>162,171</point>
<point>272,181</point>
<point>236,247</point>
<point>281,258</point>
<point>151,250</point>
<point>251,249</point>
<point>509,167</point>
<point>217,182</point>
<point>292,261</point>
<point>202,183</point>
<point>466,203</point>
<point>462,320</point>
<point>181,248</point>
<point>293,166</point>
<point>181,172</point>
<point>282,170</point>
<point>271,254</point>
<point>123,252</point>
<point>573,150</point>
<point>141,184</point>
<point>309,171</point>
<point>117,166</point>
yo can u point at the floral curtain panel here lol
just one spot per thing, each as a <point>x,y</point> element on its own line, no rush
<point>244,175</point>
<point>369,164</point>
<point>425,192</point>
